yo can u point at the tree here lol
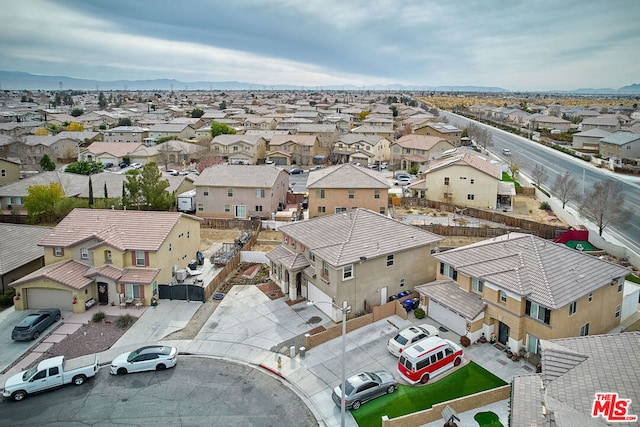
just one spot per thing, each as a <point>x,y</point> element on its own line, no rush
<point>124,121</point>
<point>84,168</point>
<point>47,164</point>
<point>539,175</point>
<point>604,205</point>
<point>196,113</point>
<point>106,193</point>
<point>220,129</point>
<point>41,200</point>
<point>514,167</point>
<point>74,127</point>
<point>480,135</point>
<point>41,132</point>
<point>565,188</point>
<point>102,101</point>
<point>145,190</point>
<point>90,192</point>
<point>77,112</point>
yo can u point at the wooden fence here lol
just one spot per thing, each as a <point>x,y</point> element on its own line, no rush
<point>230,223</point>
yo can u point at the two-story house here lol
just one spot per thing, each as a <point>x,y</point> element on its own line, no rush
<point>621,145</point>
<point>239,149</point>
<point>523,288</point>
<point>292,149</point>
<point>589,140</point>
<point>345,187</point>
<point>108,152</point>
<point>416,150</point>
<point>464,178</point>
<point>441,130</point>
<point>182,131</point>
<point>606,122</point>
<point>126,134</point>
<point>327,135</point>
<point>111,256</point>
<point>241,191</point>
<point>358,256</point>
<point>9,171</point>
<point>364,149</point>
<point>63,146</point>
<point>551,123</point>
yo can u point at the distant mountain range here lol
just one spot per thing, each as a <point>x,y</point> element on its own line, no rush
<point>16,80</point>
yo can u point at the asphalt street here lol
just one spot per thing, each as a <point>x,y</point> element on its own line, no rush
<point>199,391</point>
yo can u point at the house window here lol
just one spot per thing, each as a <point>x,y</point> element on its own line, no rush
<point>616,314</point>
<point>3,173</point>
<point>447,270</point>
<point>446,180</point>
<point>322,209</point>
<point>477,285</point>
<point>382,210</point>
<point>259,208</point>
<point>132,291</point>
<point>107,256</point>
<point>352,194</point>
<point>320,194</point>
<point>347,272</point>
<point>188,234</point>
<point>154,288</point>
<point>229,192</point>
<point>340,209</point>
<point>84,253</point>
<point>259,193</point>
<point>206,191</point>
<point>590,297</point>
<point>376,194</point>
<point>573,307</point>
<point>401,283</point>
<point>227,208</point>
<point>619,286</point>
<point>170,247</point>
<point>140,259</point>
<point>200,207</point>
<point>58,251</point>
<point>472,181</point>
<point>389,260</point>
<point>536,311</point>
<point>503,297</point>
<point>584,330</point>
<point>325,270</point>
<point>471,197</point>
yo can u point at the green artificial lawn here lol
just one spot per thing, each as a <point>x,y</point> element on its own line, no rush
<point>487,419</point>
<point>633,278</point>
<point>467,380</point>
<point>507,178</point>
<point>586,246</point>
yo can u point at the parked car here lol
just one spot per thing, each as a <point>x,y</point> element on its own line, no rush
<point>172,172</point>
<point>402,180</point>
<point>34,324</point>
<point>136,165</point>
<point>50,373</point>
<point>296,171</point>
<point>149,358</point>
<point>123,165</point>
<point>410,336</point>
<point>108,165</point>
<point>364,387</point>
<point>315,168</point>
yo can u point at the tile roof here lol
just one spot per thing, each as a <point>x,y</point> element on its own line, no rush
<point>139,275</point>
<point>305,140</point>
<point>117,149</point>
<point>347,176</point>
<point>420,142</point>
<point>290,260</point>
<point>69,273</point>
<point>621,138</point>
<point>234,139</point>
<point>250,176</point>
<point>472,159</point>
<point>527,411</point>
<point>449,294</point>
<point>344,238</point>
<point>123,230</point>
<point>19,245</point>
<point>549,273</point>
<point>595,132</point>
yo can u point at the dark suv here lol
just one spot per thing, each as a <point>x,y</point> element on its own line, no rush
<point>34,324</point>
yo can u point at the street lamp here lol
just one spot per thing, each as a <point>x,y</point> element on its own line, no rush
<point>344,309</point>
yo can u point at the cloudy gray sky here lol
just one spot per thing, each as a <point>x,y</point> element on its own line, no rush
<point>516,45</point>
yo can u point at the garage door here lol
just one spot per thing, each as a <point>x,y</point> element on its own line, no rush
<point>449,319</point>
<point>49,298</point>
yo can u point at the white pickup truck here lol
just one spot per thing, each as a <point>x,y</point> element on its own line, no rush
<point>50,373</point>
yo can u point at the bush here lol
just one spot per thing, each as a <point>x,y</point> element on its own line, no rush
<point>98,317</point>
<point>545,206</point>
<point>419,313</point>
<point>6,299</point>
<point>465,341</point>
<point>125,321</point>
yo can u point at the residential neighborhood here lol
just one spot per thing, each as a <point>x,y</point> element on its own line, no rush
<point>323,210</point>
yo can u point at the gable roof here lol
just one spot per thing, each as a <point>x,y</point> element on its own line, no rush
<point>19,245</point>
<point>251,176</point>
<point>346,176</point>
<point>542,271</point>
<point>306,140</point>
<point>228,139</point>
<point>123,230</point>
<point>621,138</point>
<point>421,142</point>
<point>467,159</point>
<point>344,238</point>
<point>117,149</point>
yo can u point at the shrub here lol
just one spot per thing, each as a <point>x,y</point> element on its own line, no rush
<point>125,321</point>
<point>465,341</point>
<point>98,317</point>
<point>6,299</point>
<point>419,313</point>
<point>545,206</point>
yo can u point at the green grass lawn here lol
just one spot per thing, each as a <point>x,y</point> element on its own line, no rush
<point>467,380</point>
<point>507,178</point>
<point>487,419</point>
<point>633,278</point>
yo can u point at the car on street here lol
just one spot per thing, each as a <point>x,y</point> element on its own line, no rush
<point>506,151</point>
<point>296,171</point>
<point>34,324</point>
<point>148,358</point>
<point>410,336</point>
<point>364,387</point>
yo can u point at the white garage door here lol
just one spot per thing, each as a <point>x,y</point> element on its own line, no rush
<point>49,298</point>
<point>323,301</point>
<point>448,319</point>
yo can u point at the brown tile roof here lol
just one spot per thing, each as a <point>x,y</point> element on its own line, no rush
<point>472,159</point>
<point>139,275</point>
<point>347,176</point>
<point>449,294</point>
<point>123,230</point>
<point>421,142</point>
<point>68,273</point>
<point>109,271</point>
<point>306,140</point>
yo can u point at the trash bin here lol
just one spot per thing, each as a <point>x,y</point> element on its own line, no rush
<point>193,264</point>
<point>393,298</point>
<point>403,294</point>
<point>415,302</point>
<point>200,257</point>
<point>302,351</point>
<point>408,305</point>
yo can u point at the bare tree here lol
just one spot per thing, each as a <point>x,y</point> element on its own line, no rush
<point>565,188</point>
<point>514,167</point>
<point>480,135</point>
<point>604,205</point>
<point>539,175</point>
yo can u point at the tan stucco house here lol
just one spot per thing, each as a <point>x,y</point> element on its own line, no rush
<point>416,150</point>
<point>111,256</point>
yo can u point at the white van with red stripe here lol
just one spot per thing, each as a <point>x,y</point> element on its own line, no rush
<point>428,358</point>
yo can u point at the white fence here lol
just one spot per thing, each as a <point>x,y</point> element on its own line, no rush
<point>254,257</point>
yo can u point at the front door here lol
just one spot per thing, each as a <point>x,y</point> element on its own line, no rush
<point>103,293</point>
<point>298,285</point>
<point>503,333</point>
